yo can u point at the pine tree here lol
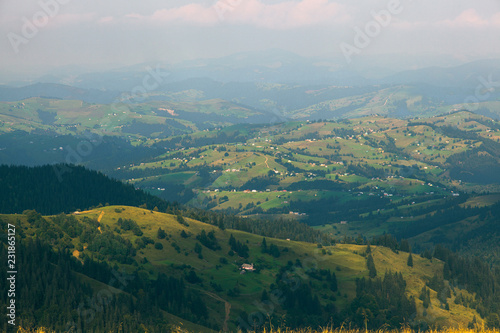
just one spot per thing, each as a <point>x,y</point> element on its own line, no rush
<point>404,246</point>
<point>264,297</point>
<point>181,220</point>
<point>221,225</point>
<point>371,266</point>
<point>263,245</point>
<point>410,260</point>
<point>425,296</point>
<point>333,282</point>
<point>473,323</point>
<point>161,234</point>
<point>197,248</point>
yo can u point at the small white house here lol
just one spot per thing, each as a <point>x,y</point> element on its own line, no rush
<point>247,267</point>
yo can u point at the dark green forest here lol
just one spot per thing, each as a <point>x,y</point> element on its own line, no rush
<point>58,188</point>
<point>54,189</point>
<point>54,291</point>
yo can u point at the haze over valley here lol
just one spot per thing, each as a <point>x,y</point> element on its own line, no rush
<point>250,166</point>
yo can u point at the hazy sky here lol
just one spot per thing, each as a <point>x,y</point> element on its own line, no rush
<point>125,32</point>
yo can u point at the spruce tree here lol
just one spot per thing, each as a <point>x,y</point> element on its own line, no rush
<point>371,266</point>
<point>264,297</point>
<point>263,245</point>
<point>161,234</point>
<point>410,260</point>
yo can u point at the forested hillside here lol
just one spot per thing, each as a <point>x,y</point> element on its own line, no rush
<point>58,188</point>
<point>147,266</point>
<point>55,290</point>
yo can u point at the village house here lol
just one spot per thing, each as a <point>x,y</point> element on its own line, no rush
<point>247,267</point>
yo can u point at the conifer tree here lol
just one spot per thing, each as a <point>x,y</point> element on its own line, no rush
<point>371,266</point>
<point>161,234</point>
<point>410,260</point>
<point>263,245</point>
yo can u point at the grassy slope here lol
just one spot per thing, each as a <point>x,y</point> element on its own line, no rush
<point>420,141</point>
<point>20,220</point>
<point>72,116</point>
<point>346,257</point>
<point>347,261</point>
<point>421,146</point>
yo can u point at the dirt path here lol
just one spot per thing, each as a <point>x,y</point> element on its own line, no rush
<point>227,306</point>
<point>76,253</point>
<point>99,220</point>
<point>388,98</point>
<point>267,165</point>
<point>100,216</point>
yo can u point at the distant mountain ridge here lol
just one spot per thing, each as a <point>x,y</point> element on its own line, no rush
<point>273,81</point>
<point>58,91</point>
<point>466,75</point>
<point>279,66</point>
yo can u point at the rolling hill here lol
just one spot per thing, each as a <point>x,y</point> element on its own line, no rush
<point>159,267</point>
<point>370,175</point>
<point>162,246</point>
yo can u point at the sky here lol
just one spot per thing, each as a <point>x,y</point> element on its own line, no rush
<point>38,35</point>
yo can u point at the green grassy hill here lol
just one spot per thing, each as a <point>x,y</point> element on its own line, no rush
<point>215,273</point>
<point>377,174</point>
<point>136,121</point>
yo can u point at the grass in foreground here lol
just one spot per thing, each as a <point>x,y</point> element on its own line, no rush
<point>403,330</point>
<point>326,330</point>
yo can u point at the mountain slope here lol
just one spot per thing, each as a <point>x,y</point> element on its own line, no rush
<point>202,255</point>
<point>59,188</point>
<point>57,91</point>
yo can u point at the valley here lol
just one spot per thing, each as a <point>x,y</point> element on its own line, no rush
<point>299,166</point>
<point>210,205</point>
<point>369,176</point>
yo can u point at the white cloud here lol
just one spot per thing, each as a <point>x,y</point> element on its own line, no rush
<point>106,19</point>
<point>133,31</point>
<point>283,15</point>
<point>468,17</point>
<point>65,19</point>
